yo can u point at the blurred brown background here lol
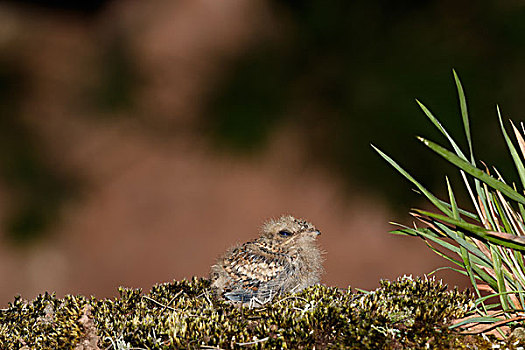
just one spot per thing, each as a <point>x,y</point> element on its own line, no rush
<point>140,139</point>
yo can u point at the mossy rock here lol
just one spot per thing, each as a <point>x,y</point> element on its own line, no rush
<point>405,314</point>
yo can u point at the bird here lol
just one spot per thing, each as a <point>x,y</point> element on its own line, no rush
<point>284,258</point>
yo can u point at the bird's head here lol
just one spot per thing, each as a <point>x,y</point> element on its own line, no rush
<point>288,231</point>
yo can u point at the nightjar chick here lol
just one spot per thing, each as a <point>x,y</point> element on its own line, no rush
<point>285,258</point>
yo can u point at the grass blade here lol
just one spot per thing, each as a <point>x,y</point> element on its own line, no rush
<point>499,238</point>
<point>441,128</point>
<point>427,193</point>
<point>464,115</point>
<point>477,173</point>
<point>479,319</point>
<point>514,153</point>
<point>496,258</point>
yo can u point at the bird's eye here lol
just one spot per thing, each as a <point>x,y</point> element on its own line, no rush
<point>285,233</point>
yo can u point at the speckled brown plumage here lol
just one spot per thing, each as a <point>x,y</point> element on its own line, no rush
<point>285,258</point>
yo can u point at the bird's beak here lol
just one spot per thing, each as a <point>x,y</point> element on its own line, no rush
<point>316,232</point>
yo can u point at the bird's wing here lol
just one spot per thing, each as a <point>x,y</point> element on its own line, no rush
<point>254,274</point>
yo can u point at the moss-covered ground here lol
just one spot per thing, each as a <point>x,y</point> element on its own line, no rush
<point>405,314</point>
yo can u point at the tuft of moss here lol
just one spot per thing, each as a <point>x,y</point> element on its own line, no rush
<point>403,314</point>
<point>44,323</point>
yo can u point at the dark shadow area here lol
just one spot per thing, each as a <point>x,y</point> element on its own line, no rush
<point>36,189</point>
<point>347,73</point>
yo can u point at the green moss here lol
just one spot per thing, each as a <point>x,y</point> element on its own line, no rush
<point>405,314</point>
<point>44,323</point>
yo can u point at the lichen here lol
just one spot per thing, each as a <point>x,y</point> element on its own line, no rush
<point>404,314</point>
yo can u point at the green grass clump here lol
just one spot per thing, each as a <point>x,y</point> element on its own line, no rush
<point>404,314</point>
<point>487,242</point>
